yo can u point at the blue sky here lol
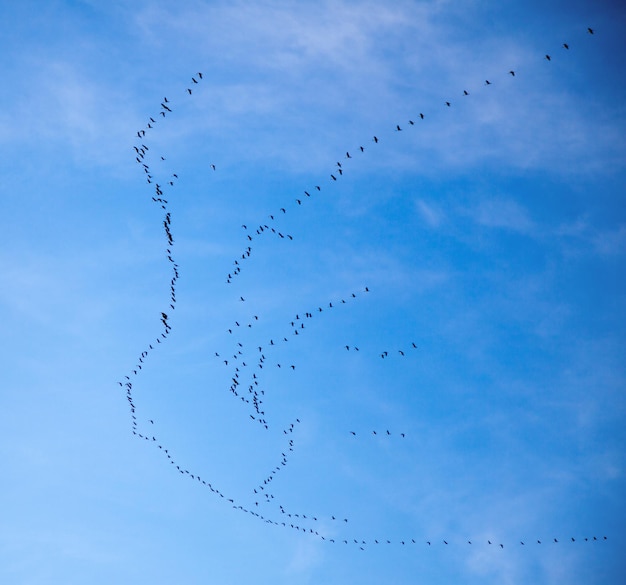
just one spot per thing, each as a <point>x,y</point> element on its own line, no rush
<point>490,235</point>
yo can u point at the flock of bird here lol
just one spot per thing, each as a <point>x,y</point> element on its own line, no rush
<point>247,371</point>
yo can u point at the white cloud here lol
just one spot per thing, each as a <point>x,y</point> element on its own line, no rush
<point>503,213</point>
<point>432,215</point>
<point>610,242</point>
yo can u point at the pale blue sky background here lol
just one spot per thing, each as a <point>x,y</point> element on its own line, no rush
<point>492,234</point>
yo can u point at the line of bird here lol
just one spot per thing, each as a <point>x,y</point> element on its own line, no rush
<point>340,168</point>
<point>310,529</point>
<point>141,153</point>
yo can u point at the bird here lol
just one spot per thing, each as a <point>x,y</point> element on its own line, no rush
<point>465,92</point>
<point>398,129</point>
<point>565,46</point>
<point>421,116</point>
<point>375,139</point>
<point>590,30</point>
<point>199,74</point>
<point>487,82</point>
<point>548,58</point>
<point>512,73</point>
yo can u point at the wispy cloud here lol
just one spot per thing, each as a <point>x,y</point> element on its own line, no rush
<point>432,215</point>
